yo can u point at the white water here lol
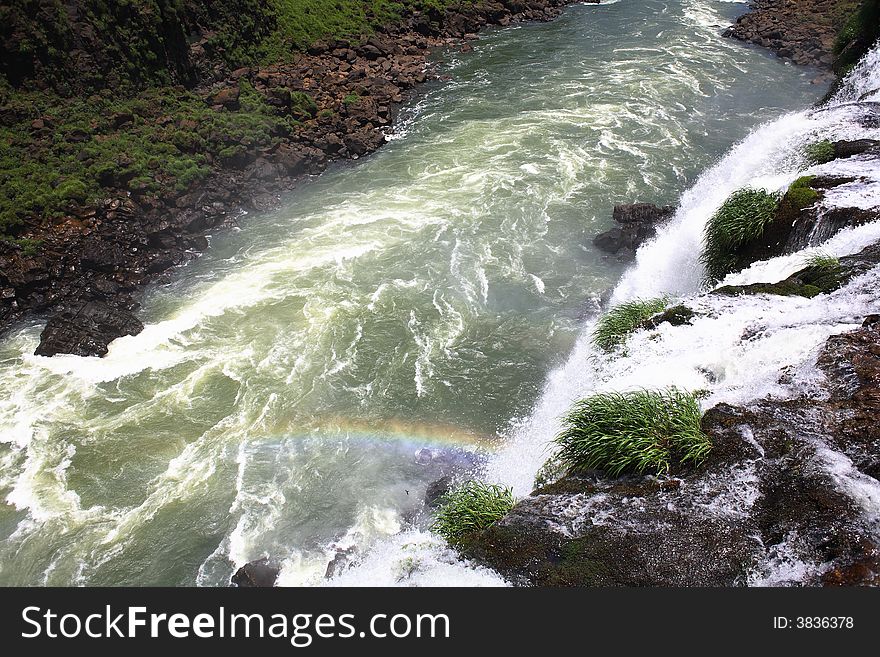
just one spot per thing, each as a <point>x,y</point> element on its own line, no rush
<point>737,347</point>
<point>298,387</point>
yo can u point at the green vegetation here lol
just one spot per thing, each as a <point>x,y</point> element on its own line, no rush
<point>351,99</point>
<point>739,221</point>
<point>299,23</point>
<point>800,193</point>
<point>615,326</point>
<point>471,507</point>
<point>821,260</point>
<point>56,154</point>
<point>819,152</point>
<point>635,432</point>
<point>798,196</point>
<point>552,470</point>
<point>860,29</point>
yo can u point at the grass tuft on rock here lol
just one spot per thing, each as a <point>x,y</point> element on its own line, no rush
<point>822,261</point>
<point>615,325</point>
<point>740,220</point>
<point>633,432</point>
<point>819,152</point>
<point>470,508</point>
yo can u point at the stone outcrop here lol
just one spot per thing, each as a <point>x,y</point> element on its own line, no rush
<point>636,223</point>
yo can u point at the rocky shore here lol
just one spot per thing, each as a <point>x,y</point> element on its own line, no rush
<point>90,263</point>
<point>803,32</point>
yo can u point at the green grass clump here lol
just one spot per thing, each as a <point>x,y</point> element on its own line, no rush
<point>471,507</point>
<point>822,261</point>
<point>615,326</point>
<point>635,432</point>
<point>351,99</point>
<point>819,152</point>
<point>740,220</point>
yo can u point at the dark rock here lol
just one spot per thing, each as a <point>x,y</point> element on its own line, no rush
<point>86,330</point>
<point>256,574</point>
<point>845,148</point>
<point>637,223</point>
<point>674,316</point>
<point>437,489</point>
<point>340,562</point>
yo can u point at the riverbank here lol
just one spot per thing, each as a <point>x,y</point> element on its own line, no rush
<point>106,194</point>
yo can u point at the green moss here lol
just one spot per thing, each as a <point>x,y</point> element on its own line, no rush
<point>637,431</point>
<point>299,23</point>
<point>471,508</point>
<point>303,105</point>
<point>819,152</point>
<point>351,99</point>
<point>739,222</point>
<point>859,31</point>
<point>160,144</point>
<point>615,326</point>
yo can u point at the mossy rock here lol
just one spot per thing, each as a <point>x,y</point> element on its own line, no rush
<point>678,315</point>
<point>808,282</point>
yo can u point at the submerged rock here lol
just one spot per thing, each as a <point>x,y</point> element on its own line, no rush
<point>86,329</point>
<point>256,574</point>
<point>637,222</point>
<point>786,484</point>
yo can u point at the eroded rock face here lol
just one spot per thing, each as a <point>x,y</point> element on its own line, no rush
<point>637,222</point>
<point>788,482</point>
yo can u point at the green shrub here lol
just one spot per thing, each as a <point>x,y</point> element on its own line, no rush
<point>634,432</point>
<point>614,326</point>
<point>740,220</point>
<point>819,152</point>
<point>351,99</point>
<point>471,507</point>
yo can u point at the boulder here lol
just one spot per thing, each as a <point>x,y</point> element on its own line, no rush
<point>86,329</point>
<point>637,222</point>
<point>256,574</point>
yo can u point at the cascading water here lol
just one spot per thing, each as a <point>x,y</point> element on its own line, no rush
<point>711,353</point>
<point>298,389</point>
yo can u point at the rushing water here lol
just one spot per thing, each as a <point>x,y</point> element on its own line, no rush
<point>297,389</point>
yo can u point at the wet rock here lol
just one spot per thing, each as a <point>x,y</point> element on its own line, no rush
<point>812,281</point>
<point>437,489</point>
<point>637,222</point>
<point>674,316</point>
<point>256,574</point>
<point>86,330</point>
<point>844,148</point>
<point>782,483</point>
<point>341,561</point>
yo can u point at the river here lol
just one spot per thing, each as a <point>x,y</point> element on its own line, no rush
<point>298,388</point>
